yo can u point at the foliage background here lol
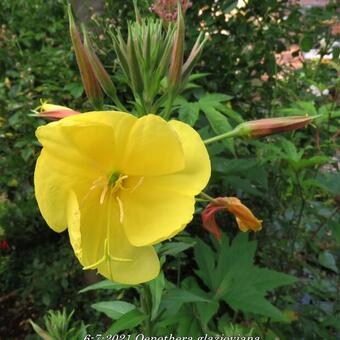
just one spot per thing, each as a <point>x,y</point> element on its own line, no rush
<point>291,181</point>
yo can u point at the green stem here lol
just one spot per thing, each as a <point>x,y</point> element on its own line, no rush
<point>146,303</point>
<point>207,197</point>
<point>168,107</point>
<point>118,103</point>
<point>230,134</point>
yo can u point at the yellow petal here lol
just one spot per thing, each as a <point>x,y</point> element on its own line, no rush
<point>163,205</point>
<point>54,177</point>
<point>153,148</point>
<point>151,215</point>
<point>76,152</point>
<point>45,106</point>
<point>196,173</point>
<point>91,226</point>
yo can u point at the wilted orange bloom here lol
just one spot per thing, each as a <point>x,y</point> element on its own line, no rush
<point>244,217</point>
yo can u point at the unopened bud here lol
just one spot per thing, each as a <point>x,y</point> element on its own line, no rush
<point>90,82</point>
<point>269,126</point>
<point>53,112</point>
<point>175,70</point>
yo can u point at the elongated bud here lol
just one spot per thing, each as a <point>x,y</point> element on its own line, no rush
<point>53,112</point>
<point>175,70</point>
<point>91,84</point>
<point>98,69</point>
<point>193,56</point>
<point>270,126</point>
<point>244,217</point>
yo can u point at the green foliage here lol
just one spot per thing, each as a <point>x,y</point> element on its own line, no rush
<point>58,327</point>
<point>291,182</point>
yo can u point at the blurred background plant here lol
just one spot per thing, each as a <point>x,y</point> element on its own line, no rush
<point>263,58</point>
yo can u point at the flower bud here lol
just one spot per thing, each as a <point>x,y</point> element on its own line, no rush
<point>175,70</point>
<point>98,69</point>
<point>54,112</point>
<point>90,82</point>
<point>270,126</point>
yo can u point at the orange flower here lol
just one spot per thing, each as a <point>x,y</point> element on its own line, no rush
<point>244,217</point>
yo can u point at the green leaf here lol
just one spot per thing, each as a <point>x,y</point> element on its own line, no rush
<point>306,43</point>
<point>156,287</point>
<point>237,280</point>
<point>249,300</point>
<point>219,124</point>
<point>327,260</point>
<point>207,311</point>
<point>305,163</point>
<point>105,284</point>
<point>127,322</point>
<point>205,259</point>
<point>113,309</point>
<point>42,333</point>
<point>189,113</point>
<point>174,248</point>
<point>178,295</point>
<point>266,279</point>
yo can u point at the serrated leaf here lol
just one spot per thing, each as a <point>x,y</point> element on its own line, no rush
<point>113,309</point>
<point>249,300</point>
<point>266,279</point>
<point>239,282</point>
<point>189,113</point>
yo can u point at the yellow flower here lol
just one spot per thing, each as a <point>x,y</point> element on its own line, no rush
<point>120,185</point>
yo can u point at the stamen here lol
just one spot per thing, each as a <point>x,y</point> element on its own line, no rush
<point>139,183</point>
<point>121,210</point>
<point>102,196</point>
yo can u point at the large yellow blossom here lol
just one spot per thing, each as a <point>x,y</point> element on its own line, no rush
<point>119,184</point>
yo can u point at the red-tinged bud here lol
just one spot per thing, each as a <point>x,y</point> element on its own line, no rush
<point>57,114</point>
<point>176,63</point>
<point>98,69</point>
<point>270,126</point>
<point>244,217</point>
<point>54,112</point>
<point>90,82</point>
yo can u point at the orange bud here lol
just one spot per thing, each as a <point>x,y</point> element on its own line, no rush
<point>270,126</point>
<point>244,217</point>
